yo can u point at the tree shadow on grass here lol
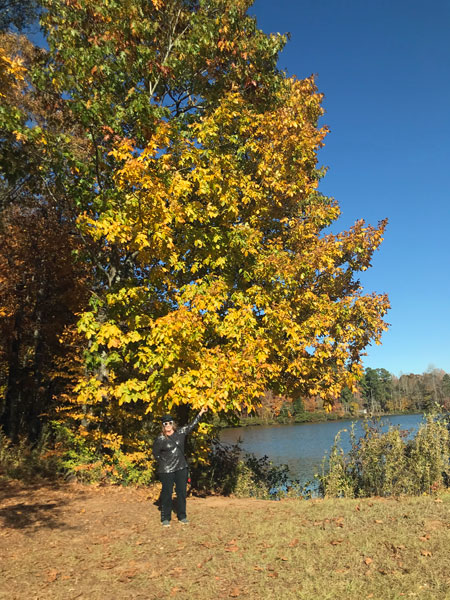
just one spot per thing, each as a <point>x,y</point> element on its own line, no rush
<point>26,516</point>
<point>26,507</point>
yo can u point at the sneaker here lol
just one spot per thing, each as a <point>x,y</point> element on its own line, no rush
<point>184,521</point>
<point>165,523</point>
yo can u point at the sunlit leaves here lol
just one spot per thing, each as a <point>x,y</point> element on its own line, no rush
<point>251,291</point>
<point>216,278</point>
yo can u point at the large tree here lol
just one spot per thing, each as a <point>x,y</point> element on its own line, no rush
<point>216,277</point>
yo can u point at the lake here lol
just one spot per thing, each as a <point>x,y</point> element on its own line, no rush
<point>302,446</point>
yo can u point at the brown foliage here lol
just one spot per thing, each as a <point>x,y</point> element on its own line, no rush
<point>41,290</point>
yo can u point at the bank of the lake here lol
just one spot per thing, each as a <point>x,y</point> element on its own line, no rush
<point>302,446</point>
<point>312,417</point>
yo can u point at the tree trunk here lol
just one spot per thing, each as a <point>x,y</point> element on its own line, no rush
<point>11,418</point>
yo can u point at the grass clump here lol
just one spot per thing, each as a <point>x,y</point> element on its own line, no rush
<point>388,463</point>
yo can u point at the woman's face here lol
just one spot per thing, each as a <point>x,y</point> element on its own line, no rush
<point>168,427</point>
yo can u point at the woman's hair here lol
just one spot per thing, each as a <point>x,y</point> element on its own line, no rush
<point>163,428</point>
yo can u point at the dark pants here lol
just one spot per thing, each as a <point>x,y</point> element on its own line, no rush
<point>179,478</point>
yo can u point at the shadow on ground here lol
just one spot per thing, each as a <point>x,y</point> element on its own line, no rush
<point>26,507</point>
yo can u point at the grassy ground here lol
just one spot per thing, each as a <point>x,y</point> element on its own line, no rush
<point>74,542</point>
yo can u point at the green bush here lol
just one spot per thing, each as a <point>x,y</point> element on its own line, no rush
<point>386,464</point>
<point>61,454</point>
<point>231,471</point>
<point>338,481</point>
<point>430,454</point>
<point>78,460</point>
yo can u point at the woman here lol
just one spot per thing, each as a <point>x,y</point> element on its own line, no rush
<point>172,467</point>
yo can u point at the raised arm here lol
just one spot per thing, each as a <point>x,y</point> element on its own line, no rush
<point>193,424</point>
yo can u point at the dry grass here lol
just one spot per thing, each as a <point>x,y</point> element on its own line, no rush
<point>74,542</point>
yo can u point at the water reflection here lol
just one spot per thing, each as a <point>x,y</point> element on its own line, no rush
<point>302,446</point>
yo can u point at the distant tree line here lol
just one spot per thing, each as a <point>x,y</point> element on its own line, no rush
<point>377,392</point>
<point>380,391</point>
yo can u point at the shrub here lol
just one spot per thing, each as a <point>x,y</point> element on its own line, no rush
<point>387,464</point>
<point>339,480</point>
<point>60,453</point>
<point>231,471</point>
<point>26,461</point>
<point>430,455</point>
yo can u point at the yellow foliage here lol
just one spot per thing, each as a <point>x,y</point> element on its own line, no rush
<point>239,285</point>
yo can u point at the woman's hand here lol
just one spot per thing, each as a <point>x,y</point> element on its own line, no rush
<point>203,410</point>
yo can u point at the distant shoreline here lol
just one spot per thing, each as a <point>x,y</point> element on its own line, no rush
<point>314,417</point>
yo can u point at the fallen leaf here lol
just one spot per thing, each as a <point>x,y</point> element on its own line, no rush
<point>293,543</point>
<point>342,570</point>
<point>273,574</point>
<point>128,574</point>
<point>425,538</point>
<point>425,553</point>
<point>379,521</point>
<point>175,590</point>
<point>283,558</point>
<point>336,542</point>
<point>438,500</point>
<point>235,593</point>
<point>368,560</point>
<point>52,575</point>
<point>203,562</point>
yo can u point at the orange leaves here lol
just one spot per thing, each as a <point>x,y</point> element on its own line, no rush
<point>52,575</point>
<point>231,546</point>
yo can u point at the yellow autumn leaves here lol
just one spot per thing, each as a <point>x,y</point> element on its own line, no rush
<point>239,286</point>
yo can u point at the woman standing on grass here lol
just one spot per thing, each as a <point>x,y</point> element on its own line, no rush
<point>172,467</point>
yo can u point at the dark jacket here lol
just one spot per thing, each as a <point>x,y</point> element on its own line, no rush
<point>169,451</point>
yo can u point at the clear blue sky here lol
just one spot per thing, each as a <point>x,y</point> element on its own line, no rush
<point>384,67</point>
